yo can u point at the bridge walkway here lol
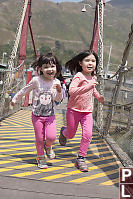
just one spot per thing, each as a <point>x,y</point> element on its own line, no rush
<point>18,157</point>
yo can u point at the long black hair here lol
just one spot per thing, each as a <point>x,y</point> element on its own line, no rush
<point>73,64</point>
<point>49,58</point>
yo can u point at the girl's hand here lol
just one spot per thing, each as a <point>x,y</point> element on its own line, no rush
<point>101,100</point>
<point>58,88</point>
<point>95,83</point>
<point>12,104</point>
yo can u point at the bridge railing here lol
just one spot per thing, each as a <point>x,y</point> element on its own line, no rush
<point>6,94</point>
<point>118,108</point>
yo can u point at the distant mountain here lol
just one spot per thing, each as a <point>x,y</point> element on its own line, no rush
<point>125,3</point>
<point>65,24</point>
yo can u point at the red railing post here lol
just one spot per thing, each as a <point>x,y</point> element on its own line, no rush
<point>26,100</point>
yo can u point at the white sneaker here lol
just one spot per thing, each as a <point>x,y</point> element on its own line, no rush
<point>49,152</point>
<point>41,161</point>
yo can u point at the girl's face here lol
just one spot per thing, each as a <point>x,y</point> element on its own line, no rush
<point>49,71</point>
<point>88,64</point>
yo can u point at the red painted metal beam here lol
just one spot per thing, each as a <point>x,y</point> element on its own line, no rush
<point>26,100</point>
<point>23,40</point>
<point>23,47</point>
<point>95,37</point>
<point>31,33</point>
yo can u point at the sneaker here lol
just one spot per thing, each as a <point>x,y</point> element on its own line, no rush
<point>62,138</point>
<point>41,161</point>
<point>49,152</point>
<point>81,165</point>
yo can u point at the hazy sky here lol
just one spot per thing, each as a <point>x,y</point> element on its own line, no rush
<point>59,1</point>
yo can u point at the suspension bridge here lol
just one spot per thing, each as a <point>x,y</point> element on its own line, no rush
<point>19,174</point>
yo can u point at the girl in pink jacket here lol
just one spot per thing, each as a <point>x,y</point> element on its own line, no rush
<point>80,105</point>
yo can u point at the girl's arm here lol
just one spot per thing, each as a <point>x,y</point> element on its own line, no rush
<point>75,89</point>
<point>22,92</point>
<point>58,93</point>
<point>97,95</point>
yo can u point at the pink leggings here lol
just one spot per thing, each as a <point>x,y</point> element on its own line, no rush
<point>86,120</point>
<point>40,125</point>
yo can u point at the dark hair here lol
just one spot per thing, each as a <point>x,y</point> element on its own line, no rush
<point>49,58</point>
<point>73,64</point>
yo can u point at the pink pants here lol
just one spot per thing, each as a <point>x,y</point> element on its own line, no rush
<point>42,124</point>
<point>86,120</point>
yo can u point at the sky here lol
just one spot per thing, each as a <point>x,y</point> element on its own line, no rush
<point>59,1</point>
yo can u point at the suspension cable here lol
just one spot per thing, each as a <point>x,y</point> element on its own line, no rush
<point>9,76</point>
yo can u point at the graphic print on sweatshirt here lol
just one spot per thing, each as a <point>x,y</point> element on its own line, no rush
<point>44,104</point>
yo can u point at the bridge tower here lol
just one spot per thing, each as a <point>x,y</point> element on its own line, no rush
<point>20,37</point>
<point>97,46</point>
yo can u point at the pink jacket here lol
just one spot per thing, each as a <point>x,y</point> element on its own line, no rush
<point>81,92</point>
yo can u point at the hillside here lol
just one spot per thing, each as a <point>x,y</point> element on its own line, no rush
<point>66,23</point>
<point>121,3</point>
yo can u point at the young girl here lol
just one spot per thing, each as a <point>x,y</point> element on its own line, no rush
<point>80,104</point>
<point>46,90</point>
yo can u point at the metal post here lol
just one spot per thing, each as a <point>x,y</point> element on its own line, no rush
<point>3,56</point>
<point>108,64</point>
<point>119,81</point>
<point>100,69</point>
<point>26,100</point>
<point>23,39</point>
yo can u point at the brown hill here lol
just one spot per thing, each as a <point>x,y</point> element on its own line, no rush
<point>66,23</point>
